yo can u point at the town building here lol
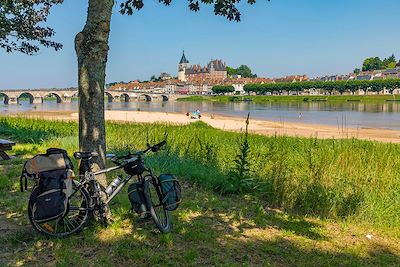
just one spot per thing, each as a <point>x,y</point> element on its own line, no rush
<point>292,78</point>
<point>165,76</point>
<point>215,69</point>
<point>392,73</point>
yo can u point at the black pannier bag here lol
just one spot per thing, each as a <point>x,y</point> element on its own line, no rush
<point>52,173</point>
<point>136,197</point>
<point>49,199</point>
<point>171,190</point>
<point>135,167</point>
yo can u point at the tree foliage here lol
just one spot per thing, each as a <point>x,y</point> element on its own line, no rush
<point>225,8</point>
<point>372,63</point>
<point>20,25</point>
<point>21,20</point>
<point>222,89</point>
<point>243,71</point>
<point>339,86</point>
<point>375,63</point>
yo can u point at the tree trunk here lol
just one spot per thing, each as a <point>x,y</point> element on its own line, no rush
<point>91,46</point>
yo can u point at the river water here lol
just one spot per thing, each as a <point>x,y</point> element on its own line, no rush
<point>348,114</point>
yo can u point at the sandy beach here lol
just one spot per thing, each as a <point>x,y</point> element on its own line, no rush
<point>236,124</point>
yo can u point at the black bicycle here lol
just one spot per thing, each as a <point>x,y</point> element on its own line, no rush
<point>89,199</point>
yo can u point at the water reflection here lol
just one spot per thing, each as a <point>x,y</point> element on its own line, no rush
<point>355,114</point>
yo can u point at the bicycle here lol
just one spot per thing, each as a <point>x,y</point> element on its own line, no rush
<point>89,199</point>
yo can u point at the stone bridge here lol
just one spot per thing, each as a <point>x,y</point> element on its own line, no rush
<point>36,96</point>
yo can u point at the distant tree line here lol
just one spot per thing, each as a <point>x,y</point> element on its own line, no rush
<point>375,63</point>
<point>340,86</point>
<point>223,89</point>
<point>243,71</point>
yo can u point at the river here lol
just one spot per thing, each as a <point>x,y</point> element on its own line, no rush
<point>348,114</point>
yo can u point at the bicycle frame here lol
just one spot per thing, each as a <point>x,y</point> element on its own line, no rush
<point>118,188</point>
<point>123,182</point>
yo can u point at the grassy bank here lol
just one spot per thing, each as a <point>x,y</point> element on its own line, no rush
<point>261,99</point>
<point>329,195</point>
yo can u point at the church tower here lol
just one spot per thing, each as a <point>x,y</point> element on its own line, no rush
<point>182,68</point>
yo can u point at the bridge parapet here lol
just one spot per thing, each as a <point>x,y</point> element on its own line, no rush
<point>65,95</point>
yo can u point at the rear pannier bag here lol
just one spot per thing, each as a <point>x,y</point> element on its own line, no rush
<point>171,190</point>
<point>54,159</point>
<point>136,197</point>
<point>52,173</point>
<point>49,199</point>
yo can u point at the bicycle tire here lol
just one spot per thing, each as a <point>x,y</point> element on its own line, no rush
<point>71,223</point>
<point>160,215</point>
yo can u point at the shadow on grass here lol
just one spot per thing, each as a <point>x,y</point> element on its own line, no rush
<point>208,230</point>
<point>214,230</point>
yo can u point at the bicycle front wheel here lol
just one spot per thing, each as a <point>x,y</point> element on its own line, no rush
<point>76,217</point>
<point>155,206</point>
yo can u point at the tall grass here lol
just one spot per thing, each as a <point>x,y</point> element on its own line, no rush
<point>328,178</point>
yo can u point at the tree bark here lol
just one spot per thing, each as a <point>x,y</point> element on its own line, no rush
<point>91,46</point>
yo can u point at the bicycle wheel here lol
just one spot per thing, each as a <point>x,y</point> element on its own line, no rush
<point>76,217</point>
<point>155,206</point>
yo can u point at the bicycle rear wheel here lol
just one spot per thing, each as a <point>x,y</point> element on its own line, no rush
<point>155,206</point>
<point>76,217</point>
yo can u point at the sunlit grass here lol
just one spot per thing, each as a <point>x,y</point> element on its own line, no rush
<point>312,202</point>
<point>328,178</point>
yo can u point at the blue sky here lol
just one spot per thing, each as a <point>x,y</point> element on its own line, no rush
<point>277,38</point>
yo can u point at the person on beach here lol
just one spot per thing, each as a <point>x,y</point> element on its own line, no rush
<point>198,114</point>
<point>194,115</point>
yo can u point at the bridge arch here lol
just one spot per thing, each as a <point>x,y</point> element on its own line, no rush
<point>109,97</point>
<point>124,97</point>
<point>57,96</point>
<point>146,97</point>
<point>165,97</point>
<point>29,95</point>
<point>5,97</point>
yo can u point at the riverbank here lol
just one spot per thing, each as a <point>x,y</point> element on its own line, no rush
<point>292,98</point>
<point>236,124</point>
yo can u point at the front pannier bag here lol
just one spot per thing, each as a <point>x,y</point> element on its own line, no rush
<point>171,190</point>
<point>136,197</point>
<point>51,172</point>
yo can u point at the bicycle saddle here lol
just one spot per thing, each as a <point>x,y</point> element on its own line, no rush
<point>85,155</point>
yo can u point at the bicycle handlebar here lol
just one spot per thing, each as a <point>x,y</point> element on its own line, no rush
<point>153,148</point>
<point>156,147</point>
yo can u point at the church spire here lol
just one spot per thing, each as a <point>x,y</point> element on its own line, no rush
<point>183,58</point>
